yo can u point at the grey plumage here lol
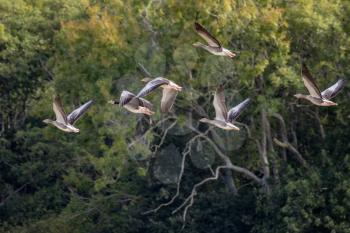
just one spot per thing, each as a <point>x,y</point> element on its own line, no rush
<point>315,96</point>
<point>332,91</point>
<point>77,113</point>
<point>152,85</point>
<point>234,112</point>
<point>64,122</point>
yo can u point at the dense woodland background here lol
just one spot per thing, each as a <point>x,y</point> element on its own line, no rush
<point>120,166</point>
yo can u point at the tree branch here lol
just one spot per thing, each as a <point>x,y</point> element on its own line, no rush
<point>3,201</point>
<point>226,159</point>
<point>290,147</point>
<point>190,198</point>
<point>184,155</point>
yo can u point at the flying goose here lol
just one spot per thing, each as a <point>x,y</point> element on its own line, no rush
<point>133,104</point>
<point>224,119</point>
<point>214,46</point>
<point>170,90</point>
<point>315,96</point>
<point>64,122</point>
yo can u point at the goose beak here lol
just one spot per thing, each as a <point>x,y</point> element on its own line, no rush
<point>203,120</point>
<point>146,80</point>
<point>113,102</point>
<point>47,121</point>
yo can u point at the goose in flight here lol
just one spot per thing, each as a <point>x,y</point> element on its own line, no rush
<point>133,104</point>
<point>170,90</point>
<point>315,95</point>
<point>214,46</point>
<point>224,119</point>
<point>64,122</point>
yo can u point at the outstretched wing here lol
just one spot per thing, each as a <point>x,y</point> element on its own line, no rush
<point>237,110</point>
<point>77,113</point>
<point>168,99</point>
<point>59,111</point>
<point>126,97</point>
<point>332,91</point>
<point>145,103</point>
<point>310,83</point>
<point>210,39</point>
<point>152,85</point>
<point>219,104</point>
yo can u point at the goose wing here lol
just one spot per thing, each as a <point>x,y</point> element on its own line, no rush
<point>210,39</point>
<point>59,111</point>
<point>77,113</point>
<point>219,105</point>
<point>152,85</point>
<point>332,91</point>
<point>234,112</point>
<point>126,97</point>
<point>168,99</point>
<point>310,83</point>
<point>145,103</point>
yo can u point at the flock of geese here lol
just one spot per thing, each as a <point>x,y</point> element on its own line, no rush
<point>223,119</point>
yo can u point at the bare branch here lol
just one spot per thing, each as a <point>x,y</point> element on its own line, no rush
<point>263,145</point>
<point>228,165</point>
<point>140,138</point>
<point>164,136</point>
<point>283,131</point>
<point>194,189</point>
<point>144,70</point>
<point>228,179</point>
<point>184,155</point>
<point>290,147</point>
<point>48,72</point>
<point>226,159</point>
<point>3,201</point>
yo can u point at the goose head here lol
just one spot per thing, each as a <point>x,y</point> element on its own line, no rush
<point>300,96</point>
<point>205,120</point>
<point>197,44</point>
<point>146,80</point>
<point>113,102</point>
<point>48,121</point>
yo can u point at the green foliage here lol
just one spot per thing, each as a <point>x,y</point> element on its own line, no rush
<point>105,177</point>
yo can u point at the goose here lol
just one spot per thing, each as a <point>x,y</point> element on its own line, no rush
<point>64,122</point>
<point>170,90</point>
<point>214,46</point>
<point>224,119</point>
<point>133,104</point>
<point>315,95</point>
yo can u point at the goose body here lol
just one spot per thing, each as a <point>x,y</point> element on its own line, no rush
<point>224,119</point>
<point>315,95</point>
<point>214,46</point>
<point>64,122</point>
<point>220,124</point>
<point>134,104</point>
<point>64,127</point>
<point>170,91</point>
